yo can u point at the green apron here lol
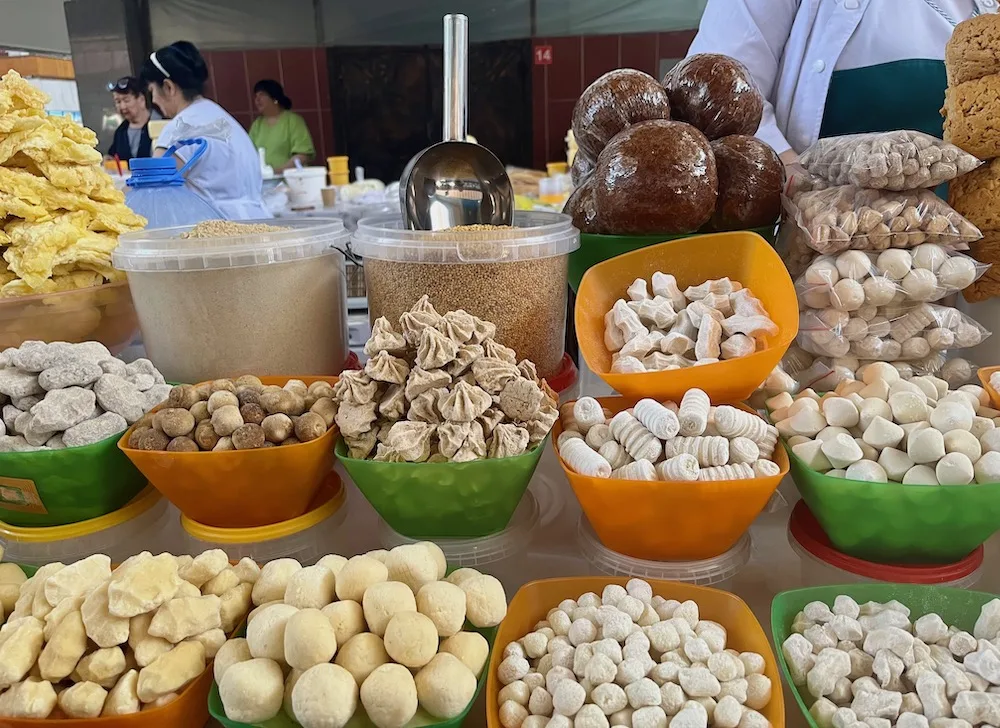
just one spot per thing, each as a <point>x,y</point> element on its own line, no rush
<point>900,95</point>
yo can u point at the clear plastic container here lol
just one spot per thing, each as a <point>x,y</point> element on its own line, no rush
<point>307,538</point>
<point>501,554</point>
<point>515,277</point>
<point>822,564</point>
<point>716,572</point>
<point>142,525</point>
<point>270,303</point>
<point>305,186</point>
<point>157,191</point>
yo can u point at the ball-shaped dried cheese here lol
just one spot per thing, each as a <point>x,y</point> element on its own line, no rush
<point>444,603</point>
<point>361,655</point>
<point>252,691</point>
<point>347,619</point>
<point>232,653</point>
<point>273,580</point>
<point>472,648</point>
<point>389,695</point>
<point>486,601</point>
<point>438,555</point>
<point>266,633</point>
<point>309,639</point>
<point>445,686</point>
<point>382,601</point>
<point>357,575</point>
<point>412,564</point>
<point>324,696</point>
<point>411,639</point>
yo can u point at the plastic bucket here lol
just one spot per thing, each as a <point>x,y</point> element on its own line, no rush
<point>144,520</point>
<point>823,564</point>
<point>743,257</point>
<point>240,488</point>
<point>533,601</point>
<point>307,538</point>
<point>663,521</point>
<point>56,487</point>
<point>596,249</point>
<point>896,523</point>
<point>305,186</point>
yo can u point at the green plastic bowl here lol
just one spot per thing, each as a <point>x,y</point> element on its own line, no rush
<point>957,607</point>
<point>444,500</point>
<point>360,719</point>
<point>891,522</point>
<point>56,487</point>
<point>595,249</point>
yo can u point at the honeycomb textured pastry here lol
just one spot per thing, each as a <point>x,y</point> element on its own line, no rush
<point>970,113</point>
<point>973,52</point>
<point>716,94</point>
<point>61,213</point>
<point>475,401</point>
<point>612,103</point>
<point>986,250</point>
<point>751,178</point>
<point>976,195</point>
<point>656,177</point>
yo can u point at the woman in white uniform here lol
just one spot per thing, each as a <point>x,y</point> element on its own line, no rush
<point>228,174</point>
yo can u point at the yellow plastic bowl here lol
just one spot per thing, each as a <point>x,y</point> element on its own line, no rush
<point>741,256</point>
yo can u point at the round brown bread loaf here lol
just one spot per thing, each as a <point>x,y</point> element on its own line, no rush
<point>655,177</point>
<point>583,167</point>
<point>582,208</point>
<point>716,94</point>
<point>973,51</point>
<point>751,177</point>
<point>613,102</point>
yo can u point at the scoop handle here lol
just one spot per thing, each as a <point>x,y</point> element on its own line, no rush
<point>456,77</point>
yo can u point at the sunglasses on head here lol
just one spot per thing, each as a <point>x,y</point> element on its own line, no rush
<point>125,83</point>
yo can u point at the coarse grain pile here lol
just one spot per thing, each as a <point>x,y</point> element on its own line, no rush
<point>227,228</point>
<point>524,298</point>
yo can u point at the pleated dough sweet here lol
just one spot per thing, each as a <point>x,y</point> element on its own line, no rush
<point>466,355</point>
<point>520,399</point>
<point>492,374</point>
<point>384,338</point>
<point>393,404</point>
<point>355,419</point>
<point>490,419</point>
<point>465,403</point>
<point>414,322</point>
<point>459,326</point>
<point>425,407</point>
<point>384,367</point>
<point>435,350</point>
<point>508,441</point>
<point>412,440</point>
<point>540,426</point>
<point>496,350</point>
<point>355,387</point>
<point>452,435</point>
<point>421,380</point>
<point>484,330</point>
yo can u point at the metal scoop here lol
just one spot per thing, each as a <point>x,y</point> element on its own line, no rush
<point>455,182</point>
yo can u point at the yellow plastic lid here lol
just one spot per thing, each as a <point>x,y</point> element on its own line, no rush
<point>148,498</point>
<point>330,499</point>
<point>555,168</point>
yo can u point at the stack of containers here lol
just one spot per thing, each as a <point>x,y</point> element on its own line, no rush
<point>339,170</point>
<point>873,251</point>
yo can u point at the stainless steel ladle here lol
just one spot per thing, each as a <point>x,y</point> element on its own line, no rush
<point>455,182</point>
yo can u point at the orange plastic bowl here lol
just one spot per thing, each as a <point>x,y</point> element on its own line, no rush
<point>102,313</point>
<point>240,488</point>
<point>742,256</point>
<point>535,599</point>
<point>662,521</point>
<point>984,379</point>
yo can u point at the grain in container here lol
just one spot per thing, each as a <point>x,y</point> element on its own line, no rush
<point>144,524</point>
<point>821,563</point>
<point>514,277</point>
<point>717,572</point>
<point>306,538</point>
<point>223,299</point>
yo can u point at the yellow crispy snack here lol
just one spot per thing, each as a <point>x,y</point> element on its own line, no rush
<point>58,284</point>
<point>34,198</point>
<point>16,94</point>
<point>36,249</point>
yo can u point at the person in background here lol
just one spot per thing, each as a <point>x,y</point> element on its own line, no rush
<point>133,105</point>
<point>228,174</point>
<point>282,134</point>
<point>835,67</point>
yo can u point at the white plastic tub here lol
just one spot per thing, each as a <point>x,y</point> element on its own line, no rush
<point>716,572</point>
<point>306,539</point>
<point>305,186</point>
<point>142,525</point>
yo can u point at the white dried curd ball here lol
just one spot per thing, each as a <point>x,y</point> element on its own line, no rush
<point>879,290</point>
<point>333,562</point>
<point>413,565</point>
<point>273,580</point>
<point>347,619</point>
<point>385,599</point>
<point>378,555</point>
<point>847,295</point>
<point>822,272</point>
<point>411,639</point>
<point>929,256</point>
<point>359,573</point>
<point>309,639</point>
<point>957,272</point>
<point>459,575</point>
<point>324,696</point>
<point>894,263</point>
<point>444,603</point>
<point>266,633</point>
<point>486,601</point>
<point>233,652</point>
<point>311,588</point>
<point>389,695</point>
<point>473,649</point>
<point>252,691</point>
<point>438,555</point>
<point>853,264</point>
<point>445,686</point>
<point>361,655</point>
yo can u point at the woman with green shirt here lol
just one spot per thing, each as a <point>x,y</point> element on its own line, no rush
<point>282,134</point>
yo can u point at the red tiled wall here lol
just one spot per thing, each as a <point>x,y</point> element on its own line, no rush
<point>576,62</point>
<point>303,73</point>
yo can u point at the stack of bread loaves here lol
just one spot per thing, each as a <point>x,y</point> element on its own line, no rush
<point>971,106</point>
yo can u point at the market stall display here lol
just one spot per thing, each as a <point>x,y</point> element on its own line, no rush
<point>602,669</point>
<point>212,486</point>
<point>164,616</point>
<point>444,395</point>
<point>906,655</point>
<point>692,262</point>
<point>205,294</point>
<point>64,406</point>
<point>352,630</point>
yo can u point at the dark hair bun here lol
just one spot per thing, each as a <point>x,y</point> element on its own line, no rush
<point>188,59</point>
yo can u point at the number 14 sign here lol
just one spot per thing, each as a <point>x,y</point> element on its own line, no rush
<point>543,55</point>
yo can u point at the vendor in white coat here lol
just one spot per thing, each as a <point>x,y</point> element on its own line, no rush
<point>228,174</point>
<point>833,67</point>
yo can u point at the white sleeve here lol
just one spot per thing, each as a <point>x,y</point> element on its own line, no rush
<point>754,32</point>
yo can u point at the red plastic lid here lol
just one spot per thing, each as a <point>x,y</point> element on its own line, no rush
<point>352,362</point>
<point>566,376</point>
<point>806,530</point>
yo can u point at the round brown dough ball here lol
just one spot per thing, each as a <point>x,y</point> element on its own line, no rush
<point>582,207</point>
<point>751,178</point>
<point>182,444</point>
<point>253,414</point>
<point>389,695</point>
<point>614,102</point>
<point>656,177</point>
<point>248,437</point>
<point>152,440</point>
<point>310,426</point>
<point>716,94</point>
<point>204,435</point>
<point>174,422</point>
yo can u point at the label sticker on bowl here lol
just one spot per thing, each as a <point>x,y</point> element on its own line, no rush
<point>20,494</point>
